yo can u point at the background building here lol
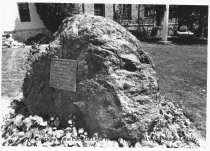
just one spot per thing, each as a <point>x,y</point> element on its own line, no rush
<point>23,21</point>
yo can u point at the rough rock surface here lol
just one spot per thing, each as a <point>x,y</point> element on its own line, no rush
<point>116,81</point>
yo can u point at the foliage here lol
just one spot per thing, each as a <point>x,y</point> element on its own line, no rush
<point>52,14</point>
<point>172,128</point>
<point>121,13</point>
<point>194,16</point>
<point>31,130</point>
<point>159,13</point>
<point>19,130</point>
<point>39,39</point>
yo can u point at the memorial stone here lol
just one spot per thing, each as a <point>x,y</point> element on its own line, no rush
<point>116,84</point>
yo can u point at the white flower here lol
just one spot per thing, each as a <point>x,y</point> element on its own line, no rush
<point>57,122</point>
<point>85,133</point>
<point>137,145</point>
<point>18,119</point>
<point>81,130</point>
<point>43,123</point>
<point>70,122</point>
<point>59,133</point>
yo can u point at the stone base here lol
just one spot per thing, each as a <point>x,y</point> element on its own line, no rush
<point>164,42</point>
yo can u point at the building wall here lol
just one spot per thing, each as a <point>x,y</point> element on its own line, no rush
<point>109,11</point>
<point>89,9</point>
<point>141,12</point>
<point>134,13</point>
<point>23,30</point>
<point>12,24</point>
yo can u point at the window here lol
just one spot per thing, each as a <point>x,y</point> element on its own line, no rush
<point>24,12</point>
<point>148,11</point>
<point>126,11</point>
<point>99,9</point>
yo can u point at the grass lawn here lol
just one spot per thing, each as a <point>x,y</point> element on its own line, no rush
<point>181,69</point>
<point>182,73</point>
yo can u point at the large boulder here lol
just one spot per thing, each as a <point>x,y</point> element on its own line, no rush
<point>116,82</point>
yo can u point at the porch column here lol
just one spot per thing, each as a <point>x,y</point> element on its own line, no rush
<point>165,24</point>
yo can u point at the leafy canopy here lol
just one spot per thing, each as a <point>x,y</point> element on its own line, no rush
<point>52,14</point>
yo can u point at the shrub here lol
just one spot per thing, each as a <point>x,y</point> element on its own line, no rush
<point>39,39</point>
<point>52,14</point>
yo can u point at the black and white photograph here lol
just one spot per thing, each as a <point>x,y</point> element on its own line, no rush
<point>103,74</point>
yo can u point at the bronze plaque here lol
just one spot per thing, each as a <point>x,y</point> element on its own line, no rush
<point>63,74</point>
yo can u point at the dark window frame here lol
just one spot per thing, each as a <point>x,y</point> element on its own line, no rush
<point>24,12</point>
<point>99,10</point>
